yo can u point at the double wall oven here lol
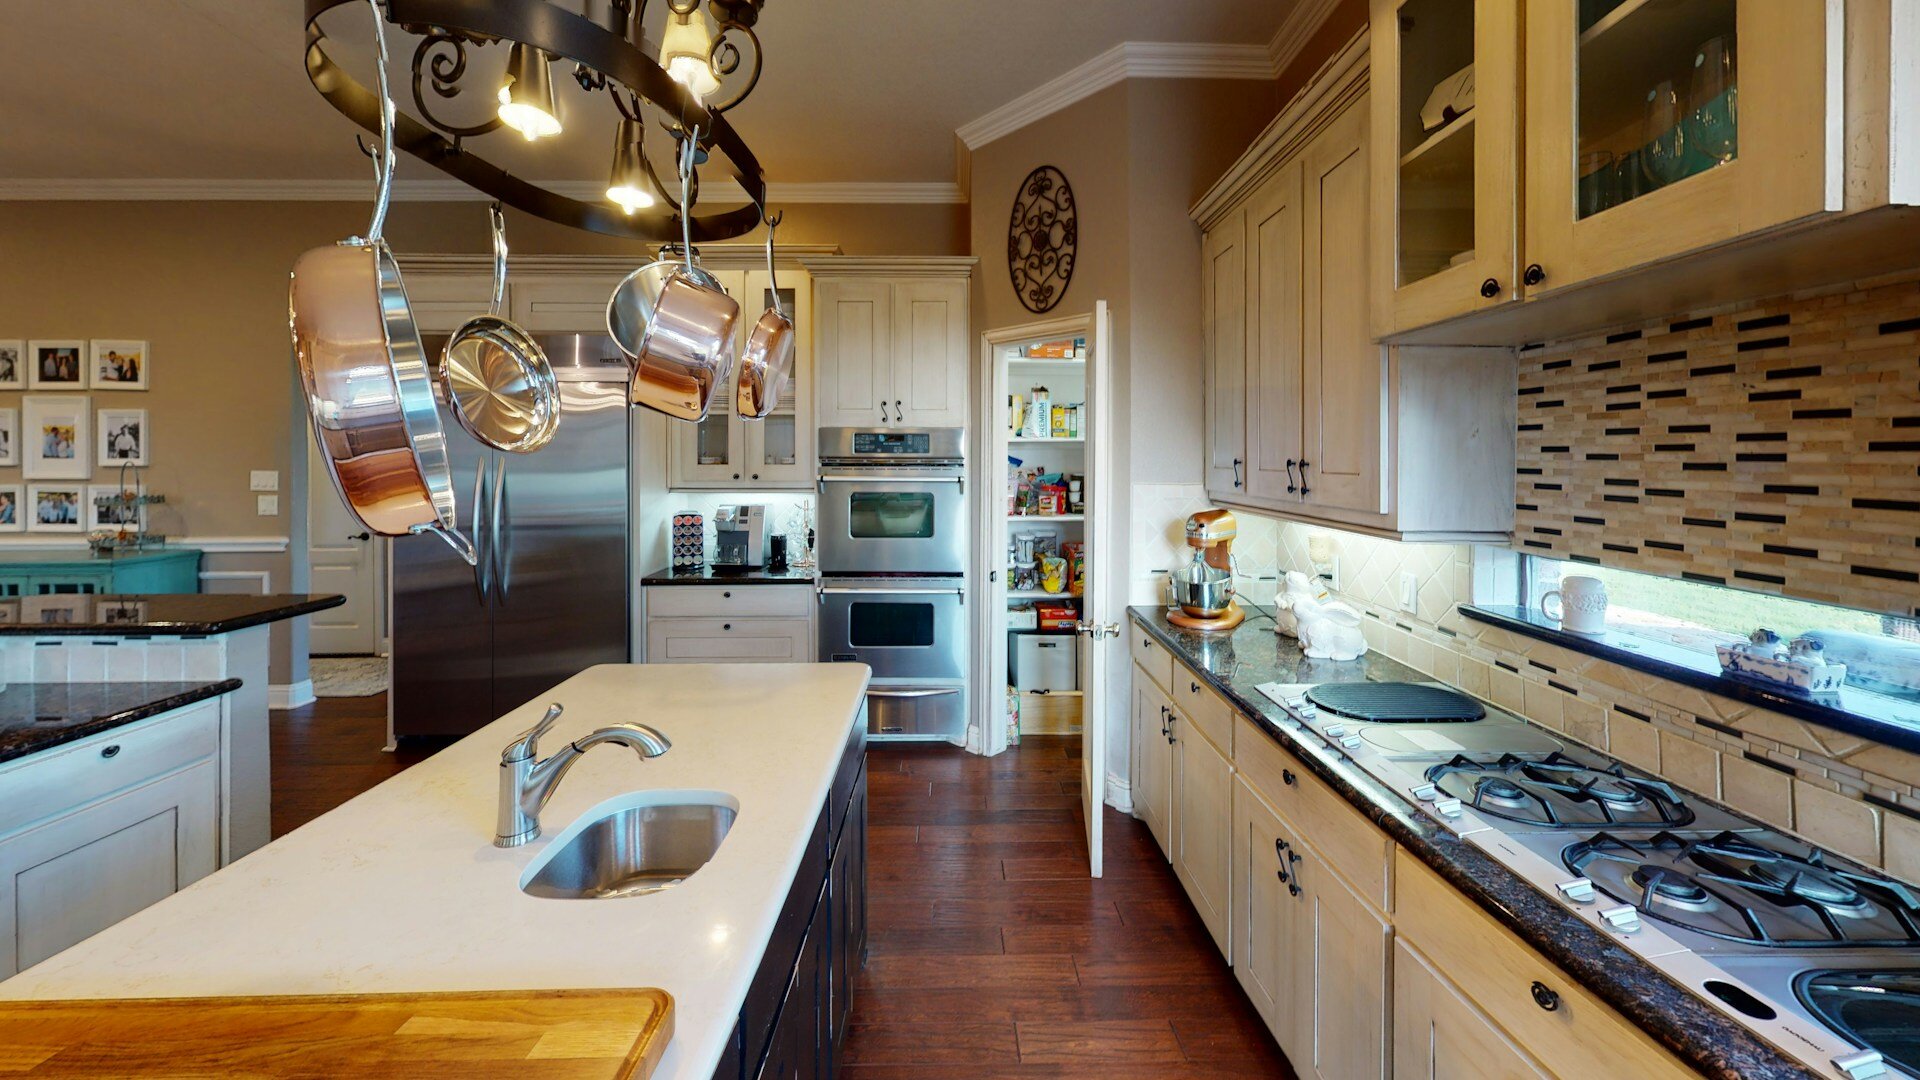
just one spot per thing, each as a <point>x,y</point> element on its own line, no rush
<point>892,547</point>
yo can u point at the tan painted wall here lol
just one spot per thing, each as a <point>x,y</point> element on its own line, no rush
<point>205,284</point>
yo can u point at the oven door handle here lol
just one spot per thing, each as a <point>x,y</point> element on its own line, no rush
<point>917,693</point>
<point>892,478</point>
<point>842,591</point>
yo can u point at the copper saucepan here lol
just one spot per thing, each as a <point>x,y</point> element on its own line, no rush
<point>368,390</point>
<point>766,361</point>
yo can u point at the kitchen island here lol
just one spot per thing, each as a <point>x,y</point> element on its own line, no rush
<point>401,889</point>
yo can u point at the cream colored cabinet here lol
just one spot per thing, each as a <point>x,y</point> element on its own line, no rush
<point>1223,288</point>
<point>1203,826</point>
<point>1446,144</point>
<point>1344,943</point>
<point>724,452</point>
<point>729,624</point>
<point>1440,1035</point>
<point>890,341</point>
<point>1153,764</point>
<point>1264,915</point>
<point>104,827</point>
<point>1268,420</point>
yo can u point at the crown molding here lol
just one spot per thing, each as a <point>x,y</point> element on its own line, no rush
<point>104,190</point>
<point>716,256</point>
<point>896,266</point>
<point>1296,30</point>
<point>1128,60</point>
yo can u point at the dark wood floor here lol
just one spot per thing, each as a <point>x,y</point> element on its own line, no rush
<point>991,952</point>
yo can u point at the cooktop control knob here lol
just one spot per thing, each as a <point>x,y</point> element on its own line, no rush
<point>1425,792</point>
<point>1351,742</point>
<point>1335,731</point>
<point>1861,1066</point>
<point>1447,808</point>
<point>1625,918</point>
<point>1579,890</point>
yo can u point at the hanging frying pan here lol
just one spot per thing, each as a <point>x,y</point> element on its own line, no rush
<point>368,391</point>
<point>766,362</point>
<point>497,378</point>
<point>676,323</point>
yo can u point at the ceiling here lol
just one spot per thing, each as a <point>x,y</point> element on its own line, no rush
<point>853,90</point>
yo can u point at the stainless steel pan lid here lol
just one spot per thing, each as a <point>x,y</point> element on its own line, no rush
<point>499,384</point>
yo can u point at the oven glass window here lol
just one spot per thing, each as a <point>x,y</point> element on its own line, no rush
<point>890,625</point>
<point>890,515</point>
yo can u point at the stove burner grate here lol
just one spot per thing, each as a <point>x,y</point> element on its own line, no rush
<point>1536,791</point>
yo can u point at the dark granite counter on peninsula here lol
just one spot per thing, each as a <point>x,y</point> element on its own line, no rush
<point>1236,664</point>
<point>720,575</point>
<point>154,615</point>
<point>40,716</point>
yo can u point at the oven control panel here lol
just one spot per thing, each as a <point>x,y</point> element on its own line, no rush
<point>892,443</point>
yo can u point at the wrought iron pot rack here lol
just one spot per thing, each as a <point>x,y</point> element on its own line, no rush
<point>605,60</point>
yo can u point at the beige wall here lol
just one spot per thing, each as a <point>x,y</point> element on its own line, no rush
<point>205,284</point>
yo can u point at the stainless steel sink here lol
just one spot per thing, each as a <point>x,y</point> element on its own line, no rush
<point>632,849</point>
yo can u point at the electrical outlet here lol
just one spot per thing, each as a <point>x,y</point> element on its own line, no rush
<point>269,505</point>
<point>1409,592</point>
<point>1330,573</point>
<point>264,480</point>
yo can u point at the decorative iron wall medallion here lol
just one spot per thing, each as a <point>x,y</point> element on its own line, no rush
<point>1042,239</point>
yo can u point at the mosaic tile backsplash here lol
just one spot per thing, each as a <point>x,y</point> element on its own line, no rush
<point>1773,446</point>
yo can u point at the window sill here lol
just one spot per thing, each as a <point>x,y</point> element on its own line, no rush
<point>1856,712</point>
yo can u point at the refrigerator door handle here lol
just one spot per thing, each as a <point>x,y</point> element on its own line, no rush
<point>497,549</point>
<point>483,566</point>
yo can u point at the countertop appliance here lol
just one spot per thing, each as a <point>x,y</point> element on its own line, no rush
<point>1816,955</point>
<point>892,553</point>
<point>1203,589</point>
<point>740,537</point>
<point>550,595</point>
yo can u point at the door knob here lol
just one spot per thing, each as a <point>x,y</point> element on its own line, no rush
<point>361,536</point>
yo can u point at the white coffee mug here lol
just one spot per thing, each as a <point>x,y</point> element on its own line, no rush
<point>1581,604</point>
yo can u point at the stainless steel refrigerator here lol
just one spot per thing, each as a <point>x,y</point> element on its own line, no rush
<point>551,593</point>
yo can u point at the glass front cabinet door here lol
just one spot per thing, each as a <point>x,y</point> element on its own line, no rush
<point>1445,101</point>
<point>725,452</point>
<point>1660,127</point>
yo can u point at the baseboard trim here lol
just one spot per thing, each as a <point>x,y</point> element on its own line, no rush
<point>290,695</point>
<point>1119,794</point>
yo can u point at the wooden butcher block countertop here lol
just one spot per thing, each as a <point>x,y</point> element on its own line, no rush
<point>530,1034</point>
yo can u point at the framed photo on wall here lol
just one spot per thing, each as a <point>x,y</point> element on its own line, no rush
<point>113,518</point>
<point>57,365</point>
<point>56,438</point>
<point>118,364</point>
<point>56,508</point>
<point>123,438</point>
<point>13,364</point>
<point>9,437</point>
<point>12,518</point>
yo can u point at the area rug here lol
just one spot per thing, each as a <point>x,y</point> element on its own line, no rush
<point>348,676</point>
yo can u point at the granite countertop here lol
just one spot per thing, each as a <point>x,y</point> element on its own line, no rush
<point>39,716</point>
<point>720,575</point>
<point>157,615</point>
<point>1236,664</point>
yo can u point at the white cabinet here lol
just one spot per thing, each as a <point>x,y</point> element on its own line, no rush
<point>103,827</point>
<point>1153,767</point>
<point>1203,826</point>
<point>890,341</point>
<point>1440,1035</point>
<point>724,452</point>
<point>729,624</point>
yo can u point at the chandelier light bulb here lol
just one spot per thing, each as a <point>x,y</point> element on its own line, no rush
<point>627,185</point>
<point>526,98</point>
<point>684,50</point>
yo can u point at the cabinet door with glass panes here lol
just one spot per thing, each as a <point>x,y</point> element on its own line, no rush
<point>1660,127</point>
<point>1445,159</point>
<point>712,453</point>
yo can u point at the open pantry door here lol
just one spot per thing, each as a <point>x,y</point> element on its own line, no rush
<point>1099,627</point>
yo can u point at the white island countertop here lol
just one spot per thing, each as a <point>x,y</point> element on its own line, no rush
<point>401,889</point>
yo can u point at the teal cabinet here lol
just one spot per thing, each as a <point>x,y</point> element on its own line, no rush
<point>36,573</point>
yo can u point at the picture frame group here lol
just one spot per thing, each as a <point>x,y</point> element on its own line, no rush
<point>73,364</point>
<point>61,438</point>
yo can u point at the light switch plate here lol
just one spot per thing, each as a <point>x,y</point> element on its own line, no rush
<point>264,480</point>
<point>269,505</point>
<point>1409,592</point>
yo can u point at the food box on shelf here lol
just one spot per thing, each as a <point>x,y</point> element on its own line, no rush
<point>1056,614</point>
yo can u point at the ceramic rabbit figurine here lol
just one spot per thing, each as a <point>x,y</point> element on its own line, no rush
<point>1296,590</point>
<point>1330,631</point>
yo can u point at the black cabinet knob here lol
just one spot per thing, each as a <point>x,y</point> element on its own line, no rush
<point>1544,997</point>
<point>756,476</point>
<point>1193,686</point>
<point>736,476</point>
<point>1286,777</point>
<point>726,595</point>
<point>1490,288</point>
<point>110,751</point>
<point>1534,275</point>
<point>726,626</point>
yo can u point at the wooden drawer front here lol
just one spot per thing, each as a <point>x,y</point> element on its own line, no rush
<point>729,641</point>
<point>55,781</point>
<point>1207,710</point>
<point>1494,968</point>
<point>1151,656</point>
<point>1351,844</point>
<point>723,601</point>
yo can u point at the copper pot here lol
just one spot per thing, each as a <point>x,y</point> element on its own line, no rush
<point>368,390</point>
<point>766,361</point>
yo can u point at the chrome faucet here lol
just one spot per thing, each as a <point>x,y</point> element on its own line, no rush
<point>526,783</point>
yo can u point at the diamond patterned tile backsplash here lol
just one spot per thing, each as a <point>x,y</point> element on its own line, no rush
<point>1796,776</point>
<point>1772,446</point>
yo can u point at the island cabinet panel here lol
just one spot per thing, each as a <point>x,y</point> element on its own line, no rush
<point>1505,978</point>
<point>1440,1035</point>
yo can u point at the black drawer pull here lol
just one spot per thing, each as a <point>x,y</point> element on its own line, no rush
<point>1545,998</point>
<point>1286,777</point>
<point>1194,686</point>
<point>1534,275</point>
<point>726,626</point>
<point>1490,288</point>
<point>726,596</point>
<point>110,751</point>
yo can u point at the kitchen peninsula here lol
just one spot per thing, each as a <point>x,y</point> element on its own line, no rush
<point>402,889</point>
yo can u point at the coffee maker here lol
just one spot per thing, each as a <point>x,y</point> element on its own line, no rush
<point>1203,589</point>
<point>740,537</point>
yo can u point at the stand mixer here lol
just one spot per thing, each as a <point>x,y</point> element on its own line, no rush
<point>1203,589</point>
